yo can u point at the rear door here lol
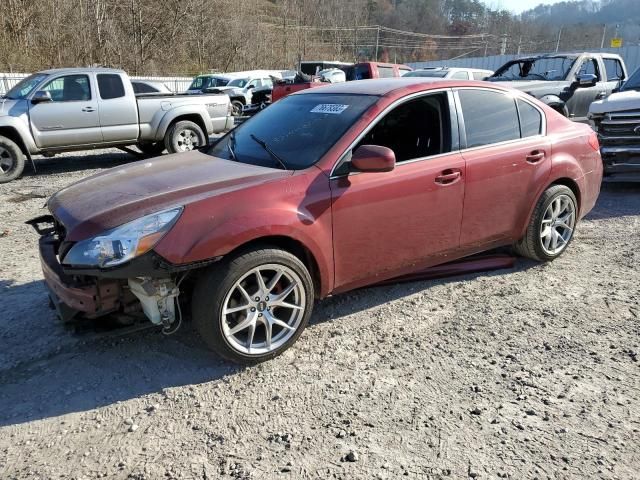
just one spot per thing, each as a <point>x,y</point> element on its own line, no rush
<point>118,108</point>
<point>507,157</point>
<point>71,118</point>
<point>388,223</point>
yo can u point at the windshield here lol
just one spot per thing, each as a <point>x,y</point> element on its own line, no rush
<point>633,83</point>
<point>25,87</point>
<point>299,129</point>
<point>200,83</point>
<point>426,73</point>
<point>544,68</point>
<point>238,82</point>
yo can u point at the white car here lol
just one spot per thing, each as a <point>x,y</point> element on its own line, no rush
<point>451,72</point>
<point>149,86</point>
<point>240,89</point>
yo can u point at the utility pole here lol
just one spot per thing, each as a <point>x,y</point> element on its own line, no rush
<point>503,44</point>
<point>604,31</point>
<point>519,44</point>
<point>559,37</point>
<point>377,41</point>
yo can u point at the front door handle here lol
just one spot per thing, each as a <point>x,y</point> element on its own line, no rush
<point>536,156</point>
<point>88,109</point>
<point>448,176</point>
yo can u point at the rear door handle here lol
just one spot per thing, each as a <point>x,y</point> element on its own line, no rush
<point>536,156</point>
<point>449,176</point>
<point>88,109</point>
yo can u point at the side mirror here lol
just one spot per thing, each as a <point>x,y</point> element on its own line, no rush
<point>586,80</point>
<point>41,96</point>
<point>373,158</point>
<point>249,87</point>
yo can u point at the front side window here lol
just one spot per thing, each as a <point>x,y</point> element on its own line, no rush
<point>530,119</point>
<point>589,67</point>
<point>70,88</point>
<point>255,83</point>
<point>299,129</point>
<point>110,86</point>
<point>415,129</point>
<point>460,75</point>
<point>614,69</point>
<point>489,117</point>
<point>479,75</point>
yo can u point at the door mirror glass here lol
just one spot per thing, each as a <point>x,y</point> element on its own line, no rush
<point>41,96</point>
<point>585,80</point>
<point>373,158</point>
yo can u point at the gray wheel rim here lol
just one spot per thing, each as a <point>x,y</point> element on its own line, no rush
<point>187,140</point>
<point>237,109</point>
<point>7,162</point>
<point>558,223</point>
<point>263,309</point>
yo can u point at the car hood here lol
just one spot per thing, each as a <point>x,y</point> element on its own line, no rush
<point>616,102</point>
<point>536,87</point>
<point>122,194</point>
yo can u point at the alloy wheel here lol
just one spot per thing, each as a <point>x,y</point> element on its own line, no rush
<point>7,162</point>
<point>263,309</point>
<point>187,140</point>
<point>557,225</point>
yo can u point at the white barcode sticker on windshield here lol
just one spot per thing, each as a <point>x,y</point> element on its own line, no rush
<point>334,108</point>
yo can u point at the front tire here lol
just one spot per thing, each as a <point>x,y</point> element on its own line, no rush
<point>254,306</point>
<point>11,160</point>
<point>552,225</point>
<point>184,136</point>
<point>236,106</point>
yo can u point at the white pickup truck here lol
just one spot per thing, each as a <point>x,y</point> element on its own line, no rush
<point>82,108</point>
<point>617,121</point>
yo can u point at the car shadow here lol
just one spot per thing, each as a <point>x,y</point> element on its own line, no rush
<point>617,199</point>
<point>77,372</point>
<point>74,163</point>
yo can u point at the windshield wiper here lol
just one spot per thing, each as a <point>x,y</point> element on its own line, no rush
<point>273,154</point>
<point>231,146</point>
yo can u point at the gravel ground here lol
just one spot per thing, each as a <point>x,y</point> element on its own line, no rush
<point>524,373</point>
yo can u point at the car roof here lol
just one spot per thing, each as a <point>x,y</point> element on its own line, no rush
<point>393,86</point>
<point>55,71</point>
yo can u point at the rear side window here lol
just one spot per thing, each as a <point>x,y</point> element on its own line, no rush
<point>110,86</point>
<point>614,69</point>
<point>530,119</point>
<point>489,117</point>
<point>460,76</point>
<point>385,72</point>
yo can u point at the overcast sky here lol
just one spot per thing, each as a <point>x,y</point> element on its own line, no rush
<point>518,6</point>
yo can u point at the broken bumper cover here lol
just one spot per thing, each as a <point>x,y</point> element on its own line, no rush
<point>91,298</point>
<point>620,160</point>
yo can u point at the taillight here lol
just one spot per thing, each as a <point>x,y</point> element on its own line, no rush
<point>593,141</point>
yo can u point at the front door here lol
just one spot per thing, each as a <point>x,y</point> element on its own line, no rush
<point>388,224</point>
<point>578,103</point>
<point>507,159</point>
<point>71,118</point>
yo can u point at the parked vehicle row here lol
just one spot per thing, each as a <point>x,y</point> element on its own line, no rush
<point>454,73</point>
<point>282,210</point>
<point>82,108</point>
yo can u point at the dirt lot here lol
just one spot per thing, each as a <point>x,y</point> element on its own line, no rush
<point>525,373</point>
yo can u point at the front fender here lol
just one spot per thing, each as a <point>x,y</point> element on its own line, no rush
<point>166,119</point>
<point>18,127</point>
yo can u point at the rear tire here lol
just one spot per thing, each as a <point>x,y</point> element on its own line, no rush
<point>246,321</point>
<point>11,160</point>
<point>184,136</point>
<point>552,225</point>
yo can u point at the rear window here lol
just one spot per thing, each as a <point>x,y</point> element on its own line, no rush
<point>110,86</point>
<point>489,117</point>
<point>142,88</point>
<point>426,73</point>
<point>299,128</point>
<point>385,72</point>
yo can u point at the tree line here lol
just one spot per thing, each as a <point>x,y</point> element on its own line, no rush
<point>163,37</point>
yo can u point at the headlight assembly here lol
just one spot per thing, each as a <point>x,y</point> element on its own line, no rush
<point>121,244</point>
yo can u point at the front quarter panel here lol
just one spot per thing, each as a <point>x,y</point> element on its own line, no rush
<point>297,207</point>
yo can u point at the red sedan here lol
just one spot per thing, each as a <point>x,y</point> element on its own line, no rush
<point>325,191</point>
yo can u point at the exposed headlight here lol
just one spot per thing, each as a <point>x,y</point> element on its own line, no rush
<point>123,243</point>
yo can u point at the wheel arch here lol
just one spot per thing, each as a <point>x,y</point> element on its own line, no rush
<point>12,134</point>
<point>294,247</point>
<point>192,117</point>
